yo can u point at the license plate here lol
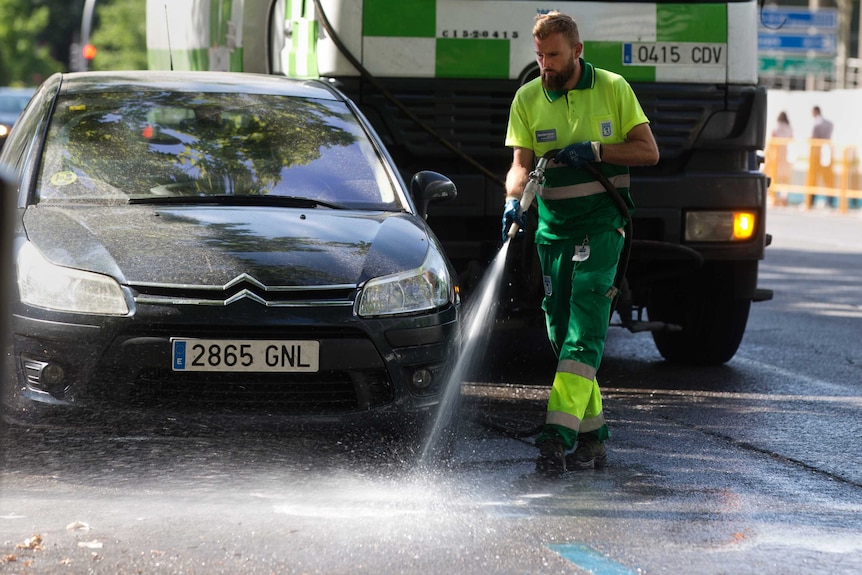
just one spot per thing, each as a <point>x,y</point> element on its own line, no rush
<point>674,54</point>
<point>244,355</point>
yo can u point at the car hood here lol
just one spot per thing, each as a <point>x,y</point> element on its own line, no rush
<point>213,245</point>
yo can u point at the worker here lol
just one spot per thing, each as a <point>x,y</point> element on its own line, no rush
<point>592,116</point>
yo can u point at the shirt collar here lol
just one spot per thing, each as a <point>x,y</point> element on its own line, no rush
<point>587,82</point>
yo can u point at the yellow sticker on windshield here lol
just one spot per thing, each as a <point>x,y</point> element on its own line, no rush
<point>64,178</point>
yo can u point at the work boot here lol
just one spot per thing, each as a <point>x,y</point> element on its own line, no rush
<point>589,454</point>
<point>552,456</point>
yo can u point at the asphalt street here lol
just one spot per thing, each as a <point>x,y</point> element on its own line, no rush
<point>751,467</point>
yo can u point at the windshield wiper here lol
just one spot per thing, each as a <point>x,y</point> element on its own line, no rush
<point>232,200</point>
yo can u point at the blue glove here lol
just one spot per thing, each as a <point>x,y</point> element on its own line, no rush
<point>576,155</point>
<point>512,214</point>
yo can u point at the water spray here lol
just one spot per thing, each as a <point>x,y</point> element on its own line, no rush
<point>472,342</point>
<point>474,339</point>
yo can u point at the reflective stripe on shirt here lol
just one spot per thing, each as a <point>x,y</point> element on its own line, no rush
<point>583,190</point>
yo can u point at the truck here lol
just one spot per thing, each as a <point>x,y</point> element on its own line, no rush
<point>436,79</point>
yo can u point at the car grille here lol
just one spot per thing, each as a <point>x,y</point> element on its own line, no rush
<point>244,287</point>
<point>310,394</point>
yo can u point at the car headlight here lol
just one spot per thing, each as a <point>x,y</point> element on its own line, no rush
<point>424,288</point>
<point>43,284</point>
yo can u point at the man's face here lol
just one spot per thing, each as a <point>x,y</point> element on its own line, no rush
<point>558,61</point>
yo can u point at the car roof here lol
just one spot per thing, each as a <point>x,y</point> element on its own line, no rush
<point>239,82</point>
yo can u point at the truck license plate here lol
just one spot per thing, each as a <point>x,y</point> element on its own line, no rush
<point>674,54</point>
<point>244,355</point>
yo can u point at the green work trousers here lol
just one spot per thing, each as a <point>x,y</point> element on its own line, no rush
<point>578,277</point>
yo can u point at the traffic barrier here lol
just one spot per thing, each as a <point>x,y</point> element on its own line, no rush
<point>832,170</point>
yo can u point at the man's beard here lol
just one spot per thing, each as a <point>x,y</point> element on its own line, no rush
<point>558,81</point>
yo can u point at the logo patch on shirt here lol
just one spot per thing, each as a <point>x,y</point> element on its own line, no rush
<point>546,135</point>
<point>607,129</point>
<point>549,290</point>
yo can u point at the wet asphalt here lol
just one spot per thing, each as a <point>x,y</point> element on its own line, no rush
<point>750,467</point>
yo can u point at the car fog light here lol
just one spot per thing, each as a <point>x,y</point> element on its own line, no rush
<point>52,375</point>
<point>422,378</point>
<point>44,377</point>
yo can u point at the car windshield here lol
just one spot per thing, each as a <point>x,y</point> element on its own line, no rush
<point>189,147</point>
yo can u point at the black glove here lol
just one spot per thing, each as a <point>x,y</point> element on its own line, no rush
<point>577,155</point>
<point>512,214</point>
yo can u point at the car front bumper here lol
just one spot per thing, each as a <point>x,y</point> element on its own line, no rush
<point>388,366</point>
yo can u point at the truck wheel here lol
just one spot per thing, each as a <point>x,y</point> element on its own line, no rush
<point>712,319</point>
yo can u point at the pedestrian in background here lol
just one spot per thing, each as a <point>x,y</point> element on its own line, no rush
<point>820,156</point>
<point>782,127</point>
<point>591,116</point>
<point>781,134</point>
<point>822,127</point>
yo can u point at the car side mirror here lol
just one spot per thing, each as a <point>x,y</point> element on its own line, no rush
<point>427,187</point>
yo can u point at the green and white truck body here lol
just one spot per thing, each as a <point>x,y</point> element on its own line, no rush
<point>649,42</point>
<point>455,65</point>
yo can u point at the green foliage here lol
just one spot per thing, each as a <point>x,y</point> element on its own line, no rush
<point>23,61</point>
<point>120,35</point>
<point>35,37</point>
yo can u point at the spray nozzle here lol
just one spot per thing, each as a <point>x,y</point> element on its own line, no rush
<point>534,183</point>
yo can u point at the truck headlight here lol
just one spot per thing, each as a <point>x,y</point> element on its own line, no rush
<point>719,226</point>
<point>43,284</point>
<point>422,289</point>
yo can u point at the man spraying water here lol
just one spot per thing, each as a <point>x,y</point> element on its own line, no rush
<point>593,117</point>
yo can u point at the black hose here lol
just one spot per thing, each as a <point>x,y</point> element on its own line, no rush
<point>620,203</point>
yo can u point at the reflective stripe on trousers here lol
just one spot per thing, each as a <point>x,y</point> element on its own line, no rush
<point>572,395</point>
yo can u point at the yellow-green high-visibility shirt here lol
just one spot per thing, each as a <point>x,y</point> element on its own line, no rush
<point>601,108</point>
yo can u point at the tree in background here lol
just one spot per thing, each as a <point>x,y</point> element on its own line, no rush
<point>24,61</point>
<point>36,36</point>
<point>120,35</point>
<point>64,26</point>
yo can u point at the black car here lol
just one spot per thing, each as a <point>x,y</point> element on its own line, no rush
<point>12,103</point>
<point>218,242</point>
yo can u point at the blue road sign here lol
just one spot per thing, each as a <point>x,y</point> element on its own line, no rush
<point>778,19</point>
<point>818,43</point>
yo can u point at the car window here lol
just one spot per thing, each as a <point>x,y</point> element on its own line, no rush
<point>110,147</point>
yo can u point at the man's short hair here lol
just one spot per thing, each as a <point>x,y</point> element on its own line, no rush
<point>554,22</point>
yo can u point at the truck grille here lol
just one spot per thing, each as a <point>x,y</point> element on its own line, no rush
<point>472,115</point>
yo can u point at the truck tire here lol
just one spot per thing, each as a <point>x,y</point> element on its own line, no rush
<point>712,319</point>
